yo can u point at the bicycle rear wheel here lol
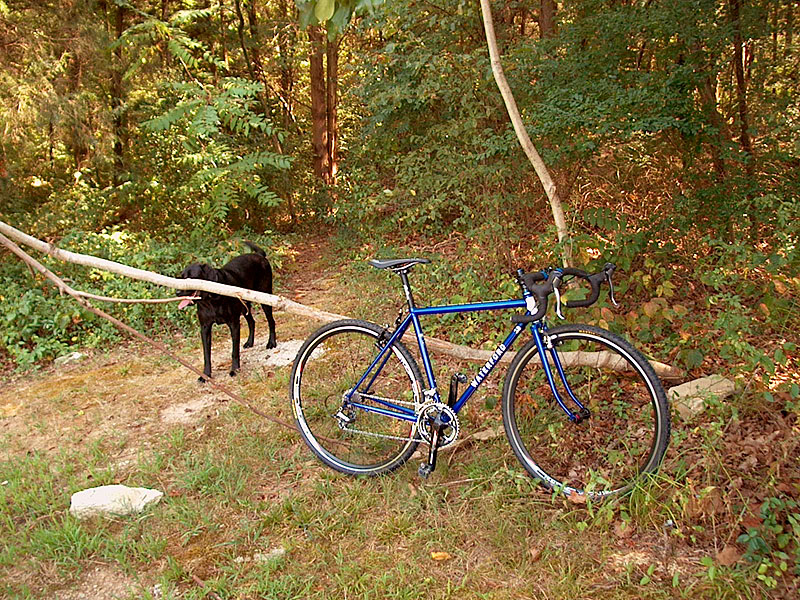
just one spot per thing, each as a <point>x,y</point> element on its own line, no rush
<point>625,436</point>
<point>347,438</point>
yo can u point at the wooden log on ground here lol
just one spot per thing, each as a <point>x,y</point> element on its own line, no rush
<point>281,303</point>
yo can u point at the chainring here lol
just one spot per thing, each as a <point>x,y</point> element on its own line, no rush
<point>427,413</point>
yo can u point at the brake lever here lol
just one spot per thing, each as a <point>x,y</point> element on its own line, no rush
<point>611,285</point>
<point>557,294</point>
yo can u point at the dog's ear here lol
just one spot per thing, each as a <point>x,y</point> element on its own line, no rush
<point>208,273</point>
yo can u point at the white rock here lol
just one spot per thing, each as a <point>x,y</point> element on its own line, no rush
<point>68,358</point>
<point>263,557</point>
<point>112,500</point>
<point>689,398</point>
<point>283,354</point>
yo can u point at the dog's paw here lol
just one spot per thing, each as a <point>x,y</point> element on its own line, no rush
<point>272,344</point>
<point>248,344</point>
<point>202,379</point>
<point>233,373</point>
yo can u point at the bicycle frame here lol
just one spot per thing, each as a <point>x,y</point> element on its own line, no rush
<point>538,330</point>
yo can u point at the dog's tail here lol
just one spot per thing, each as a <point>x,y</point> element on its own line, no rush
<point>255,249</point>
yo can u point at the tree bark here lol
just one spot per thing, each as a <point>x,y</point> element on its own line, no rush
<point>117,101</point>
<point>319,117</point>
<point>708,102</point>
<point>331,107</point>
<point>522,135</point>
<point>741,85</point>
<point>242,43</point>
<point>547,18</point>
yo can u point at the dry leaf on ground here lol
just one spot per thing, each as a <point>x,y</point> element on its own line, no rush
<point>623,529</point>
<point>728,556</point>
<point>9,410</point>
<point>577,498</point>
<point>439,556</point>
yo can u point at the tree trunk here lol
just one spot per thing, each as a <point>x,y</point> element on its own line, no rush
<point>775,5</point>
<point>522,135</point>
<point>252,20</point>
<point>286,62</point>
<point>547,18</point>
<point>331,105</point>
<point>242,43</point>
<point>223,26</point>
<point>319,117</point>
<point>741,85</point>
<point>117,101</point>
<point>708,101</point>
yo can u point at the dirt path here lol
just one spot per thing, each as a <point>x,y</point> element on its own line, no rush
<point>131,394</point>
<point>124,401</point>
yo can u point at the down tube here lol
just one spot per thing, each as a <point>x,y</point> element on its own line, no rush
<point>489,366</point>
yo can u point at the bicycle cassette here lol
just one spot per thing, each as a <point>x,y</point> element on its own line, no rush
<point>428,412</point>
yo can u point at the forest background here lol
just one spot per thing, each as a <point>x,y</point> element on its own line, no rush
<point>157,132</point>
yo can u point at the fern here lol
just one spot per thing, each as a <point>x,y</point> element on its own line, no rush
<point>216,124</point>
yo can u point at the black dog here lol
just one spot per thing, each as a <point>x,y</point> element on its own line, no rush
<point>251,271</point>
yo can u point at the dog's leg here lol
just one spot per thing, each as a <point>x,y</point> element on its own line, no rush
<point>205,335</point>
<point>251,324</point>
<point>271,343</point>
<point>235,338</point>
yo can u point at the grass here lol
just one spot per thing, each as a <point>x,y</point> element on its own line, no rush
<point>238,488</point>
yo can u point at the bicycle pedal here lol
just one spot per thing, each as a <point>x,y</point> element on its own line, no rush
<point>424,470</point>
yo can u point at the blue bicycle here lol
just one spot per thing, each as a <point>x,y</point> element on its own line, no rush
<point>582,409</point>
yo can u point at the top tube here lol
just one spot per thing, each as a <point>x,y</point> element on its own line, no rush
<point>470,307</point>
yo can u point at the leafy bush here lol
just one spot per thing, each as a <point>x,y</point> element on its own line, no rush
<point>38,324</point>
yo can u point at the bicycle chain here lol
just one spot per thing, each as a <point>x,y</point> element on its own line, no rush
<point>383,435</point>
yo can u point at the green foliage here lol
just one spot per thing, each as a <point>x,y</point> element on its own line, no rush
<point>213,127</point>
<point>773,545</point>
<point>334,14</point>
<point>38,324</point>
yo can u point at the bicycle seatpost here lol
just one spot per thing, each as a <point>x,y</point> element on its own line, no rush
<point>407,288</point>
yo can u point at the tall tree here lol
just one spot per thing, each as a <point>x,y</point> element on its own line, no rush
<point>547,18</point>
<point>534,158</point>
<point>117,100</point>
<point>741,83</point>
<point>331,105</point>
<point>319,114</point>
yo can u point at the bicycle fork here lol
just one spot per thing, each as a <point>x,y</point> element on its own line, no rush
<point>545,346</point>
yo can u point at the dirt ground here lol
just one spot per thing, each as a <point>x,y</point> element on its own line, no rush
<point>131,396</point>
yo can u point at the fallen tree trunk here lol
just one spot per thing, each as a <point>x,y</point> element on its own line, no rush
<point>279,302</point>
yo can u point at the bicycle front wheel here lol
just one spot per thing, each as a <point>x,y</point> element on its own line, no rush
<point>626,434</point>
<point>343,432</point>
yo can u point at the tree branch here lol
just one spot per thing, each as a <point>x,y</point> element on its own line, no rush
<point>281,303</point>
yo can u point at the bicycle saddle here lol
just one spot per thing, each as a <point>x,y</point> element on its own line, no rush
<point>397,264</point>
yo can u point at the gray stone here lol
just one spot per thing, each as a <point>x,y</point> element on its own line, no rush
<point>689,399</point>
<point>114,500</point>
<point>262,557</point>
<point>68,358</point>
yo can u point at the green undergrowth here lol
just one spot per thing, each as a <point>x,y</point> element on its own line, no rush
<point>39,324</point>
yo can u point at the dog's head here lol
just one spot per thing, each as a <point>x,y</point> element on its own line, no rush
<point>197,271</point>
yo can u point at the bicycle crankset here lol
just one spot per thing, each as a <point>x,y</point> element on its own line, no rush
<point>437,414</point>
